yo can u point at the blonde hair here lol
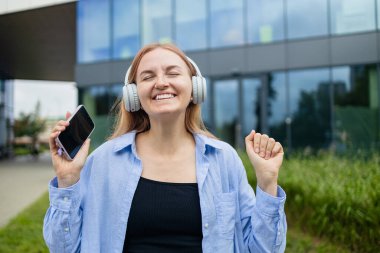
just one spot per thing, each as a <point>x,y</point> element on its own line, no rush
<point>139,121</point>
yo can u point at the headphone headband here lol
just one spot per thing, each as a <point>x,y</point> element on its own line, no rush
<point>198,72</point>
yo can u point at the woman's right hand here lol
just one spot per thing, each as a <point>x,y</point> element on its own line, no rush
<point>68,172</point>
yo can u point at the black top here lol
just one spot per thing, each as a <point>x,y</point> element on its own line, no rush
<point>164,217</point>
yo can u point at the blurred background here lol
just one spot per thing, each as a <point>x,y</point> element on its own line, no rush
<point>304,72</point>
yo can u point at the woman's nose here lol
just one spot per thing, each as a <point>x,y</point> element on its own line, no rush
<point>161,82</point>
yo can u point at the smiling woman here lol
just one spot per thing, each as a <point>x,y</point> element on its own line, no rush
<point>162,182</point>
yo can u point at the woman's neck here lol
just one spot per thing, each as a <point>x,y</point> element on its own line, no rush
<point>167,136</point>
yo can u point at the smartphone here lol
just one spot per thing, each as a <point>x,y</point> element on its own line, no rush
<point>72,138</point>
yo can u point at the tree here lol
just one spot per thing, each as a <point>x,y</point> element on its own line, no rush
<point>31,125</point>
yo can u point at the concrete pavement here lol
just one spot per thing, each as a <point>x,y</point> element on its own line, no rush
<point>22,181</point>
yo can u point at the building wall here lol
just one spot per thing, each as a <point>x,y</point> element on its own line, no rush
<point>300,71</point>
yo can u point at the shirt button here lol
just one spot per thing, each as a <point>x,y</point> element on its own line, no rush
<point>65,199</point>
<point>206,226</point>
<point>66,229</point>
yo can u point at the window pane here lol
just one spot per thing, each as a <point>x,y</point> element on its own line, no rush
<point>101,99</point>
<point>226,110</point>
<point>310,108</point>
<point>226,23</point>
<point>265,20</point>
<point>251,105</point>
<point>349,16</point>
<point>126,35</point>
<point>378,13</point>
<point>97,100</point>
<point>115,94</point>
<point>93,33</point>
<point>157,21</point>
<point>191,24</point>
<point>277,106</point>
<point>356,106</point>
<point>306,19</point>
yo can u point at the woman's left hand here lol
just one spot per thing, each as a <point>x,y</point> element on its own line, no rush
<point>266,156</point>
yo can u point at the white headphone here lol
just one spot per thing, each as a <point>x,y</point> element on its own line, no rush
<point>132,101</point>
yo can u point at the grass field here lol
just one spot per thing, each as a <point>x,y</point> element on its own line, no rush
<point>333,197</point>
<point>331,202</point>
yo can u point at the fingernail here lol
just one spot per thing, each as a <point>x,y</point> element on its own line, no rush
<point>267,156</point>
<point>257,150</point>
<point>262,154</point>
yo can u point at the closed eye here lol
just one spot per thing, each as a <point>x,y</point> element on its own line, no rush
<point>145,78</point>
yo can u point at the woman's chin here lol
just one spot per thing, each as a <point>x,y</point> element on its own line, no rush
<point>166,113</point>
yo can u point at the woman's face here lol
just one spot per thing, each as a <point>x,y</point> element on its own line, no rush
<point>163,83</point>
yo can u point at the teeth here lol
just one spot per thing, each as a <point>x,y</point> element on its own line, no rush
<point>164,96</point>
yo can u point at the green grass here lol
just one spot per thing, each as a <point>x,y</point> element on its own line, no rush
<point>326,197</point>
<point>333,197</point>
<point>23,234</point>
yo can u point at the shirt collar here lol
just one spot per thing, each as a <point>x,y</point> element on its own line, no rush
<point>124,141</point>
<point>201,141</point>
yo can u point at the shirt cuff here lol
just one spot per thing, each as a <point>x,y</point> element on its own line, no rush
<point>269,204</point>
<point>64,198</point>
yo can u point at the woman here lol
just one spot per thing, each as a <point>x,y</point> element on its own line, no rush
<point>162,183</point>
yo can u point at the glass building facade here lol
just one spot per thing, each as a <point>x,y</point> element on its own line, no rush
<point>298,98</point>
<point>6,117</point>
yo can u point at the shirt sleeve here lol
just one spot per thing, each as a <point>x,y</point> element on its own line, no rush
<point>262,216</point>
<point>62,228</point>
<point>62,223</point>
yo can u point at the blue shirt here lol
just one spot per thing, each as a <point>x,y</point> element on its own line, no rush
<point>91,215</point>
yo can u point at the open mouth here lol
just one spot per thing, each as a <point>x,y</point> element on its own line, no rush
<point>164,96</point>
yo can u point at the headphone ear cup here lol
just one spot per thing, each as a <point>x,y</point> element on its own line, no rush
<point>199,89</point>
<point>130,97</point>
<point>203,89</point>
<point>195,89</point>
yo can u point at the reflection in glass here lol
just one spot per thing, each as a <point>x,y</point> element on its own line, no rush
<point>98,100</point>
<point>101,99</point>
<point>265,21</point>
<point>126,35</point>
<point>277,106</point>
<point>226,110</point>
<point>115,95</point>
<point>310,108</point>
<point>93,24</point>
<point>251,105</point>
<point>348,16</point>
<point>226,23</point>
<point>356,106</point>
<point>157,21</point>
<point>378,13</point>
<point>305,19</point>
<point>191,24</point>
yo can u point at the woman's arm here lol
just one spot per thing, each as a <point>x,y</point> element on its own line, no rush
<point>263,217</point>
<point>63,219</point>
